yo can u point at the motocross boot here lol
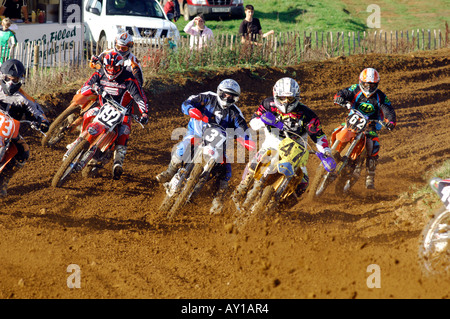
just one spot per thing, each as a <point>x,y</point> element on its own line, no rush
<point>6,175</point>
<point>370,178</point>
<point>119,157</point>
<point>167,175</point>
<point>217,203</point>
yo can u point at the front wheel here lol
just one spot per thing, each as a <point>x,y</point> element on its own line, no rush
<point>262,204</point>
<point>319,184</point>
<point>61,125</point>
<point>70,163</point>
<point>434,249</point>
<point>187,190</point>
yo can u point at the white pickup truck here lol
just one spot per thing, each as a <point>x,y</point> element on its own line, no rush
<point>145,20</point>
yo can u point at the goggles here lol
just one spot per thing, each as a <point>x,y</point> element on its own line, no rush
<point>286,99</point>
<point>13,79</point>
<point>369,86</point>
<point>113,69</point>
<point>122,48</point>
<point>229,97</point>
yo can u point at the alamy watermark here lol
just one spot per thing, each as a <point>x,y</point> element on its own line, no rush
<point>374,279</point>
<point>374,19</point>
<point>74,279</point>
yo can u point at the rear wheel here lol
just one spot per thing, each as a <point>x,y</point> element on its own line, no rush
<point>61,125</point>
<point>69,164</point>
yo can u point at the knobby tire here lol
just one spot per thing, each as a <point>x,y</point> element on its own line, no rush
<point>57,129</point>
<point>187,190</point>
<point>59,179</point>
<point>439,263</point>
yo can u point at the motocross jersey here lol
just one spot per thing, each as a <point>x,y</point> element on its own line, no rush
<point>19,104</point>
<point>131,63</point>
<point>377,106</point>
<point>302,121</point>
<point>230,117</point>
<point>124,89</point>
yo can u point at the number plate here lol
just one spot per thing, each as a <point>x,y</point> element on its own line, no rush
<point>220,9</point>
<point>109,115</point>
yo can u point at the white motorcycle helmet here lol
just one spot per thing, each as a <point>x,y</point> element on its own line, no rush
<point>228,93</point>
<point>286,94</point>
<point>124,43</point>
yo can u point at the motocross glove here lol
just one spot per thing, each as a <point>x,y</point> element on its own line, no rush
<point>97,89</point>
<point>339,101</point>
<point>197,114</point>
<point>95,63</point>
<point>143,119</point>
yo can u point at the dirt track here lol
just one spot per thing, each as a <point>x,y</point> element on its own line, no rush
<point>125,249</point>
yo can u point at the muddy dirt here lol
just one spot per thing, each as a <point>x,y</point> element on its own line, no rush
<point>323,249</point>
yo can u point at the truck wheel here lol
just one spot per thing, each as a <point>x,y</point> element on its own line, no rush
<point>186,14</point>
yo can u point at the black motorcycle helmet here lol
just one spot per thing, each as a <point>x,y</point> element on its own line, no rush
<point>14,71</point>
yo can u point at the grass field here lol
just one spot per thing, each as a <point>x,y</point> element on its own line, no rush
<point>343,15</point>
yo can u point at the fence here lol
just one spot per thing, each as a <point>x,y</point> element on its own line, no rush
<point>281,49</point>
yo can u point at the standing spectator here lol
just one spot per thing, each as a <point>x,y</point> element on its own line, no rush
<point>173,7</point>
<point>250,28</point>
<point>201,35</point>
<point>8,40</point>
<point>13,9</point>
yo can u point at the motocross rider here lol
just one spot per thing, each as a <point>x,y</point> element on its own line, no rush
<point>123,44</point>
<point>17,103</point>
<point>290,114</point>
<point>120,83</point>
<point>367,98</point>
<point>216,107</point>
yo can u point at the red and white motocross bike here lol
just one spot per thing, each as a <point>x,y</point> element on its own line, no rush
<point>97,139</point>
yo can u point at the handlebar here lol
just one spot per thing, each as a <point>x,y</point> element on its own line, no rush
<point>33,125</point>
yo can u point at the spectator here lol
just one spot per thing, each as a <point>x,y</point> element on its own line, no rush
<point>172,7</point>
<point>201,35</point>
<point>250,28</point>
<point>8,40</point>
<point>13,9</point>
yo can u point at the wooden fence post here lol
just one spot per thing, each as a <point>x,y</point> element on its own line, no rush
<point>36,59</point>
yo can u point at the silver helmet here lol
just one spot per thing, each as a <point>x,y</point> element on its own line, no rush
<point>228,93</point>
<point>286,94</point>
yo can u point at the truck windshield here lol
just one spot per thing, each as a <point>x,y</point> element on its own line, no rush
<point>140,8</point>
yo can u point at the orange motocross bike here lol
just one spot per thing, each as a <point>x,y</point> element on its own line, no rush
<point>348,147</point>
<point>70,120</point>
<point>9,129</point>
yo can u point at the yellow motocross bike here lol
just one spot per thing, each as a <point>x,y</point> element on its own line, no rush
<point>276,175</point>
